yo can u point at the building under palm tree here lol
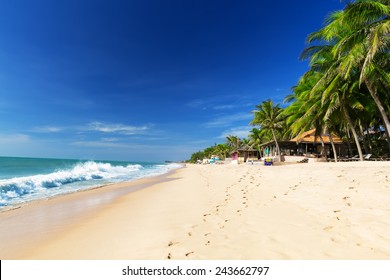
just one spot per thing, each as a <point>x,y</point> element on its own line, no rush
<point>245,153</point>
<point>307,144</point>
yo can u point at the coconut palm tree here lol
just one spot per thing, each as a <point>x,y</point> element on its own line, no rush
<point>360,39</point>
<point>233,142</point>
<point>222,150</point>
<point>270,117</point>
<point>256,138</point>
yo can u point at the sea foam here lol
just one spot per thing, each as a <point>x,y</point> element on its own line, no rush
<point>79,176</point>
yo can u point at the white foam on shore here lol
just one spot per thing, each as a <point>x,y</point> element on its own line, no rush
<point>78,177</point>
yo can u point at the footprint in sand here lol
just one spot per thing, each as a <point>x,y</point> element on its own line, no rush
<point>169,256</point>
<point>328,228</point>
<point>189,253</point>
<point>171,243</point>
<point>207,243</point>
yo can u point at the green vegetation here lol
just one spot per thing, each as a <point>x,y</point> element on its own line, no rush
<point>345,91</point>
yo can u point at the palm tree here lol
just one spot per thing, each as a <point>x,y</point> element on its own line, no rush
<point>270,118</point>
<point>233,142</point>
<point>221,150</point>
<point>360,39</point>
<point>256,138</point>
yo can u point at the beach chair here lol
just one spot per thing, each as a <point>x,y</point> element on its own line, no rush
<point>367,156</point>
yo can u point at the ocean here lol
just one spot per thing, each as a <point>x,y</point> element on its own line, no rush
<point>27,179</point>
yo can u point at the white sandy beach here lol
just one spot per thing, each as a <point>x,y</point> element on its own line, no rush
<point>296,211</point>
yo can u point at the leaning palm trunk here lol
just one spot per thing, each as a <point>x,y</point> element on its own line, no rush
<point>364,139</point>
<point>355,136</point>
<point>333,147</point>
<point>277,146</point>
<point>323,152</point>
<point>382,111</point>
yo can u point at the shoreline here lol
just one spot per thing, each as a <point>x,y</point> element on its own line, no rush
<point>64,211</point>
<point>114,185</point>
<point>206,212</point>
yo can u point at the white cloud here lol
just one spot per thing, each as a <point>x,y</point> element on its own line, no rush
<point>241,131</point>
<point>117,128</point>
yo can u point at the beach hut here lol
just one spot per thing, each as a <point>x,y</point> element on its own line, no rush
<point>246,153</point>
<point>307,144</point>
<point>310,144</point>
<point>234,156</point>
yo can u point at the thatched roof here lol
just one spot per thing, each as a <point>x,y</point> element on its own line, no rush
<point>309,137</point>
<point>246,148</point>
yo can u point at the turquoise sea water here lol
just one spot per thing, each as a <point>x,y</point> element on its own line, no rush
<point>27,179</point>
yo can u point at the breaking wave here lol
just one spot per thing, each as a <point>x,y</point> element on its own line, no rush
<point>79,176</point>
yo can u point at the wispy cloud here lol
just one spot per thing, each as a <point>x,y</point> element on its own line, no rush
<point>48,129</point>
<point>6,139</point>
<point>198,103</point>
<point>117,128</point>
<point>224,102</point>
<point>101,144</point>
<point>241,131</point>
<point>224,107</point>
<point>228,120</point>
<point>110,139</point>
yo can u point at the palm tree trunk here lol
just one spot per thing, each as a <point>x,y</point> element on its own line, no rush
<point>381,109</point>
<point>364,138</point>
<point>323,152</point>
<point>333,147</point>
<point>355,136</point>
<point>349,141</point>
<point>277,146</point>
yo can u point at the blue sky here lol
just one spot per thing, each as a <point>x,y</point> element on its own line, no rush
<point>144,79</point>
